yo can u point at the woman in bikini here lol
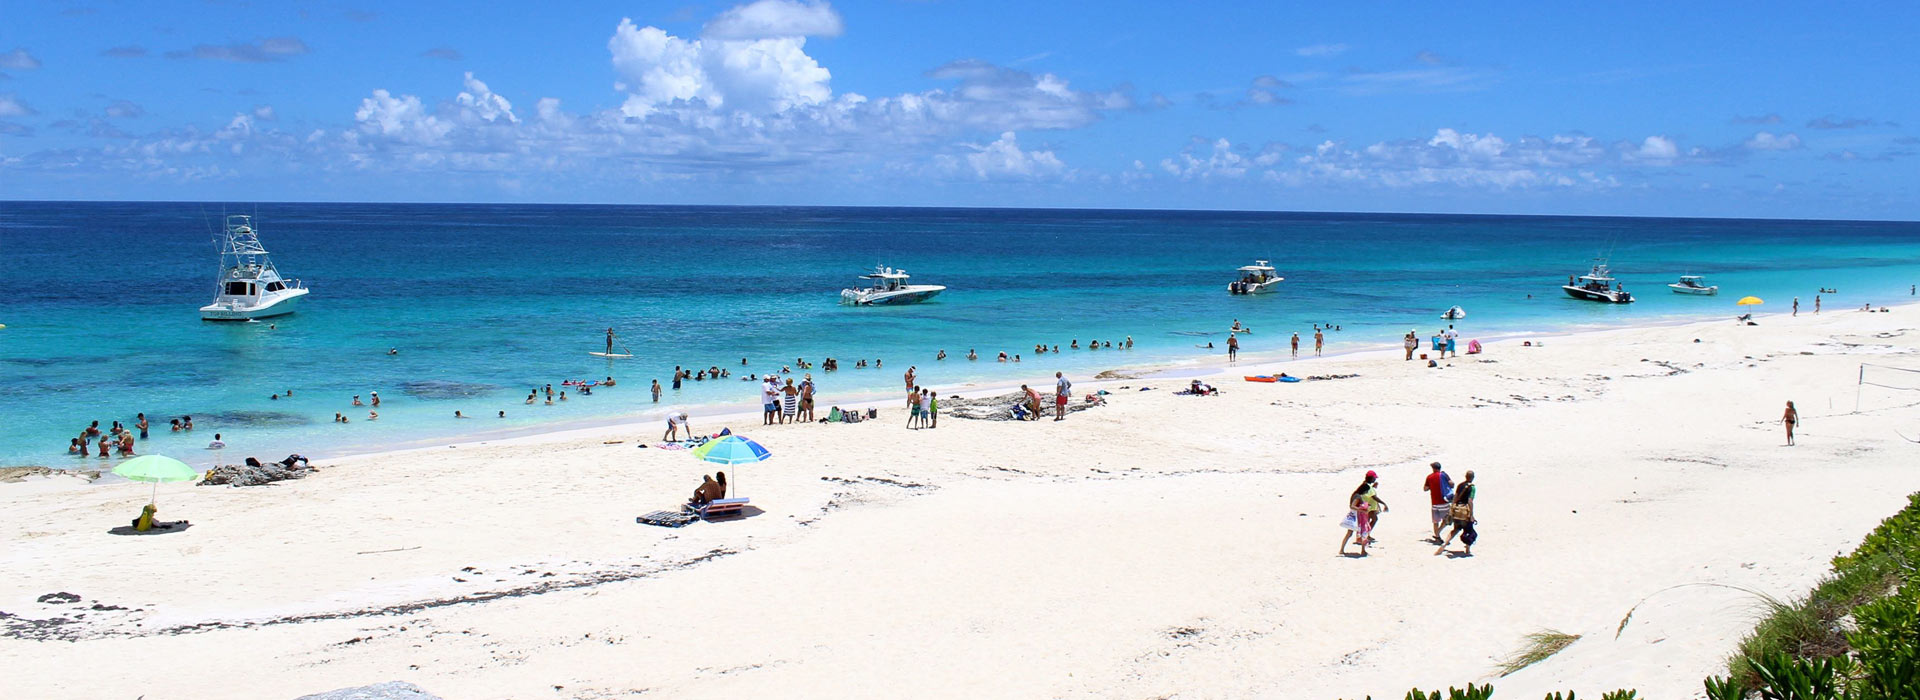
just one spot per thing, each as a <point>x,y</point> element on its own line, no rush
<point>1791,418</point>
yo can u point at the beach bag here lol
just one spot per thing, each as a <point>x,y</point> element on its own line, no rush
<point>1461,511</point>
<point>1351,522</point>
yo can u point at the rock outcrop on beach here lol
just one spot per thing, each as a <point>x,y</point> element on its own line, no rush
<point>242,475</point>
<point>1001,407</point>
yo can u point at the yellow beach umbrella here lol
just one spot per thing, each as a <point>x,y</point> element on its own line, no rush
<point>1749,301</point>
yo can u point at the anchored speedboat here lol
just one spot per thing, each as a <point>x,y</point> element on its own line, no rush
<point>249,286</point>
<point>1598,285</point>
<point>889,287</point>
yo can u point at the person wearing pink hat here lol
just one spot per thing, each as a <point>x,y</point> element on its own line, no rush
<point>1366,506</point>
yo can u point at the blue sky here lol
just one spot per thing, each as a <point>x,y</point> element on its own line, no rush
<point>1656,109</point>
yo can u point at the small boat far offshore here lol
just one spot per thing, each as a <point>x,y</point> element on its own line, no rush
<point>1694,284</point>
<point>889,288</point>
<point>249,286</point>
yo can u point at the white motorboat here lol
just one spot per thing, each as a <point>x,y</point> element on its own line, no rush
<point>1693,284</point>
<point>889,287</point>
<point>1454,313</point>
<point>1597,285</point>
<point>249,286</point>
<point>1257,278</point>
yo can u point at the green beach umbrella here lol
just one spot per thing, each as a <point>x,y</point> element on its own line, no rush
<point>155,469</point>
<point>732,450</point>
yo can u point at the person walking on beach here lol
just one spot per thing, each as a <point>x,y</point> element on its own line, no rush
<point>1319,341</point>
<point>1439,488</point>
<point>656,391</point>
<point>1816,303</point>
<point>1296,345</point>
<point>1451,337</point>
<point>1796,306</point>
<point>1061,390</point>
<point>1362,509</point>
<point>1461,515</point>
<point>1790,418</point>
<point>1410,342</point>
<point>1233,348</point>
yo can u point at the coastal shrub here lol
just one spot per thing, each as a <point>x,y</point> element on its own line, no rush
<point>1868,587</point>
<point>1856,636</point>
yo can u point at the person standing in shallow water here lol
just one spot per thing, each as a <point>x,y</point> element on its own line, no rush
<point>1790,418</point>
<point>1233,348</point>
<point>1296,344</point>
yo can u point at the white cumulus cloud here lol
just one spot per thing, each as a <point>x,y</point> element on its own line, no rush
<point>757,76</point>
<point>1004,159</point>
<point>772,19</point>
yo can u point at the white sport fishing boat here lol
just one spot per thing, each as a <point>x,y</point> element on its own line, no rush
<point>889,288</point>
<point>249,286</point>
<point>1693,284</point>
<point>1598,285</point>
<point>1257,278</point>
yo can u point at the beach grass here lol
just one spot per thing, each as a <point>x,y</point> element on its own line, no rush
<point>1817,626</point>
<point>1540,645</point>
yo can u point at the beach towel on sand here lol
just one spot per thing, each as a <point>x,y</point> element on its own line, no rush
<point>665,518</point>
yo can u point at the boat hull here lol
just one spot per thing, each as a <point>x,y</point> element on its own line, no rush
<point>901,298</point>
<point>1267,287</point>
<point>1605,297</point>
<point>278,305</point>
<point>1698,291</point>
<point>1608,296</point>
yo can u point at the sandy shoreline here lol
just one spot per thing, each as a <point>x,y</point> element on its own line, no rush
<point>1161,545</point>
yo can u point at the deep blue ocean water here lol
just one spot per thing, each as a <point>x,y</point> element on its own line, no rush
<point>486,301</point>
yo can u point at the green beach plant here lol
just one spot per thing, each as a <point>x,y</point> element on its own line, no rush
<point>1855,636</point>
<point>1540,645</point>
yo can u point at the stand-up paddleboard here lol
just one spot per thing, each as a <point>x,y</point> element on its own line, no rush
<point>610,354</point>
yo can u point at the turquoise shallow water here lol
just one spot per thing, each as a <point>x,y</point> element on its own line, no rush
<point>487,301</point>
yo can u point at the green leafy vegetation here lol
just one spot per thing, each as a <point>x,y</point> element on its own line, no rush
<point>1856,636</point>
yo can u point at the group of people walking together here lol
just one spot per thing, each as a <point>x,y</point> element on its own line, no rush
<point>1452,507</point>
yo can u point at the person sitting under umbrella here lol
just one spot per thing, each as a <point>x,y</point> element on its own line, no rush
<point>146,523</point>
<point>712,488</point>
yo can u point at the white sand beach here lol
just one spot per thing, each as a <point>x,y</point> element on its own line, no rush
<point>1159,546</point>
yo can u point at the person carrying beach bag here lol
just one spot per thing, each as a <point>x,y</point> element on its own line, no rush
<point>1461,513</point>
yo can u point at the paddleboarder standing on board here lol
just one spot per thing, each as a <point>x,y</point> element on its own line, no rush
<point>609,340</point>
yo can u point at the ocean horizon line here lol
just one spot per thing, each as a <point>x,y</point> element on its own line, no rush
<point>1301,213</point>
